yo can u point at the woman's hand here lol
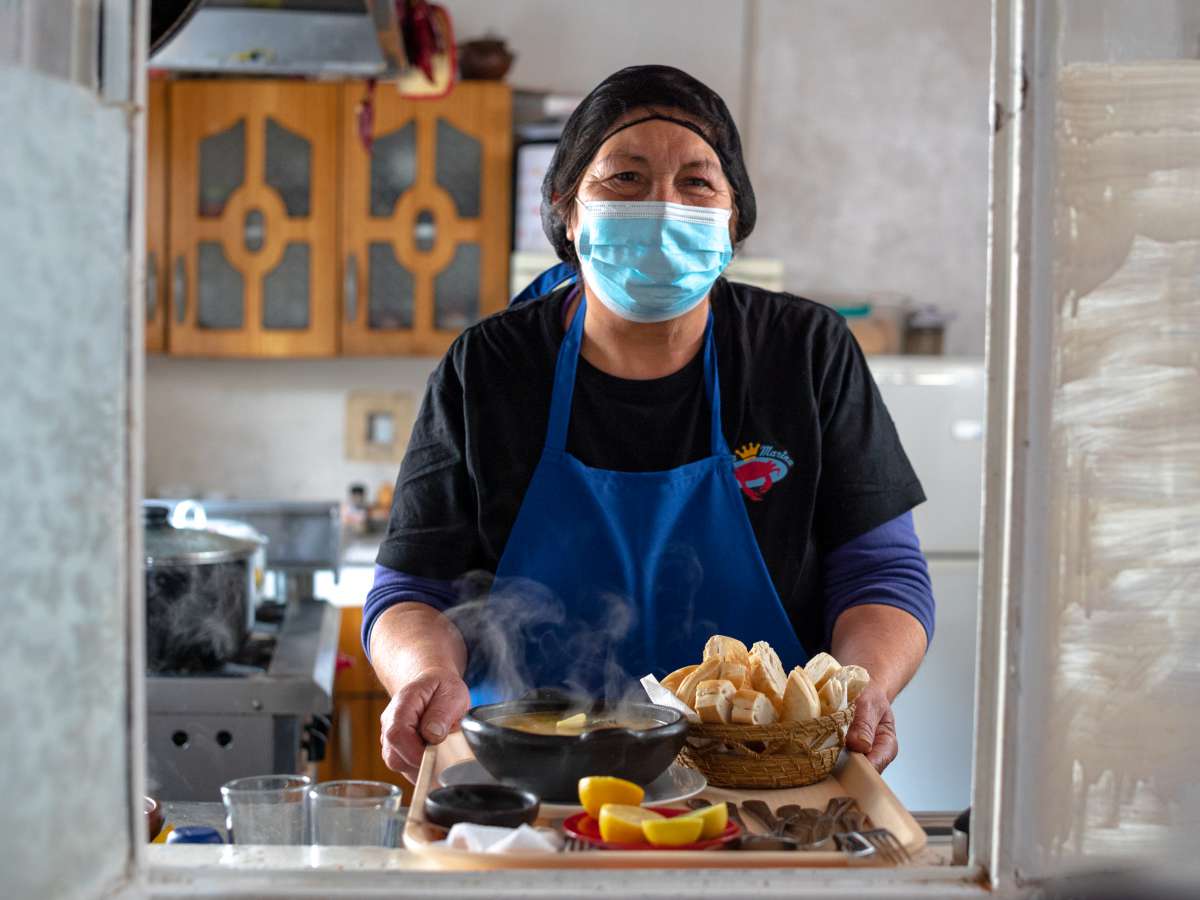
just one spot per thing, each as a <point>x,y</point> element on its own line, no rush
<point>873,730</point>
<point>423,711</point>
<point>889,643</point>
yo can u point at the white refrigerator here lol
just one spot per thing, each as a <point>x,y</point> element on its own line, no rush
<point>937,404</point>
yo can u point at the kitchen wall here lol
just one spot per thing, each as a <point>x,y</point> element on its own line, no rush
<point>870,151</point>
<point>263,428</point>
<point>866,134</point>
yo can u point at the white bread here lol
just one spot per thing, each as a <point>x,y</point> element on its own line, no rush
<point>800,700</point>
<point>752,708</point>
<point>736,673</point>
<point>727,649</point>
<point>672,681</point>
<point>833,696</point>
<point>855,678</point>
<point>766,673</point>
<point>703,672</point>
<point>820,669</point>
<point>714,700</point>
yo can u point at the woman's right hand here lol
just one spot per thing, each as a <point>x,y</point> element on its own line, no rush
<point>423,711</point>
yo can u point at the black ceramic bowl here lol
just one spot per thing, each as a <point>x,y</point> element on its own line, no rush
<point>482,804</point>
<point>550,765</point>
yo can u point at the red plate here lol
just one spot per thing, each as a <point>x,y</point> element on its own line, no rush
<point>585,828</point>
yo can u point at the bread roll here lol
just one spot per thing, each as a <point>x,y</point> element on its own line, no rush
<point>855,678</point>
<point>752,708</point>
<point>672,681</point>
<point>727,649</point>
<point>714,700</point>
<point>766,673</point>
<point>833,696</point>
<point>737,673</point>
<point>800,700</point>
<point>820,669</point>
<point>703,672</point>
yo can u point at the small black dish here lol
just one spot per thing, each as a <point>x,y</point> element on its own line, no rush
<point>481,804</point>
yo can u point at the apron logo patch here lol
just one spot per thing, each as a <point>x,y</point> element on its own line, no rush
<point>759,467</point>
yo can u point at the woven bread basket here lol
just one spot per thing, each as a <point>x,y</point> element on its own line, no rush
<point>783,755</point>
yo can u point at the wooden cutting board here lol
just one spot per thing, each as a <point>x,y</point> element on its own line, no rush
<point>853,777</point>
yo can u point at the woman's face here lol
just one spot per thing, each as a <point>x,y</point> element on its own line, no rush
<point>654,160</point>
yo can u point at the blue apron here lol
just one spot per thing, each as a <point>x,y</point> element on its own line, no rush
<point>611,575</point>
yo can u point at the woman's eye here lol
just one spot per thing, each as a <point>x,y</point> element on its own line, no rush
<point>698,183</point>
<point>628,177</point>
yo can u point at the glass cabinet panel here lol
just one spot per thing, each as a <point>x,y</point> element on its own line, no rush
<point>220,291</point>
<point>285,290</point>
<point>459,160</point>
<point>287,167</point>
<point>456,290</point>
<point>222,168</point>
<point>393,169</point>
<point>390,291</point>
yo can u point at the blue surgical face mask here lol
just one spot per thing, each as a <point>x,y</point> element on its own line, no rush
<point>650,261</point>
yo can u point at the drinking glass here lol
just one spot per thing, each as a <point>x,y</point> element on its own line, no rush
<point>357,813</point>
<point>266,809</point>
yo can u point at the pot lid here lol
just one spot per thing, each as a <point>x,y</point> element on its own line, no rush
<point>166,545</point>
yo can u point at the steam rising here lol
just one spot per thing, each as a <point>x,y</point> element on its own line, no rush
<point>513,627</point>
<point>195,615</point>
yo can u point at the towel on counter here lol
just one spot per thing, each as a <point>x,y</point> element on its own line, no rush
<point>491,839</point>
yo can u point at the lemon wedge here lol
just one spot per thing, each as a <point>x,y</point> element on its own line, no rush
<point>672,832</point>
<point>714,817</point>
<point>596,790</point>
<point>621,824</point>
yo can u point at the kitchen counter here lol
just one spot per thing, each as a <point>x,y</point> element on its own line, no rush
<point>357,572</point>
<point>182,856</point>
<point>360,550</point>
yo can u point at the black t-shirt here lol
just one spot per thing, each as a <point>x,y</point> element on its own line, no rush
<point>816,453</point>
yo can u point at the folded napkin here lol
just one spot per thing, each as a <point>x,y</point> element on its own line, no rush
<point>660,695</point>
<point>491,839</point>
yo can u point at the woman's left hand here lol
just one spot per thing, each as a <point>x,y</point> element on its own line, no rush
<point>873,730</point>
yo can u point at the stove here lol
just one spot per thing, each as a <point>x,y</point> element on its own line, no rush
<point>267,710</point>
<point>264,711</point>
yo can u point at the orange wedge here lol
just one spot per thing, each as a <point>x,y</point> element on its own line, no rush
<point>672,832</point>
<point>596,790</point>
<point>714,817</point>
<point>623,824</point>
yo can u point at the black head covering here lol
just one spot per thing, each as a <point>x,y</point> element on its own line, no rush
<point>591,124</point>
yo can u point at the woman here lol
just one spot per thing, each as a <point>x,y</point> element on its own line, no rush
<point>646,457</point>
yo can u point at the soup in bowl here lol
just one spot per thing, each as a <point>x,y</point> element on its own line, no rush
<point>547,745</point>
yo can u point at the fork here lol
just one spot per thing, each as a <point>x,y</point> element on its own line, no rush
<point>573,844</point>
<point>888,845</point>
<point>873,842</point>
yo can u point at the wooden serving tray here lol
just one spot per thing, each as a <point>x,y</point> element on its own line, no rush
<point>853,777</point>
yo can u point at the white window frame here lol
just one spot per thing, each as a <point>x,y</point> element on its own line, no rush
<point>1018,367</point>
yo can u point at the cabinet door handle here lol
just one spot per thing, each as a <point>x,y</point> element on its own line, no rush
<point>179,290</point>
<point>151,286</point>
<point>351,288</point>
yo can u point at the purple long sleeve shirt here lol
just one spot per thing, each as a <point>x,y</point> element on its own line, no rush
<point>884,566</point>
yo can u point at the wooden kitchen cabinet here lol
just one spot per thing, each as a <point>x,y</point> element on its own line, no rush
<point>425,217</point>
<point>253,218</point>
<point>156,216</point>
<point>359,700</point>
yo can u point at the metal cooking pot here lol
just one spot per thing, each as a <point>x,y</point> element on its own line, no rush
<point>199,594</point>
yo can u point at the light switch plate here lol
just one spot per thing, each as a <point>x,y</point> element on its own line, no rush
<point>378,424</point>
